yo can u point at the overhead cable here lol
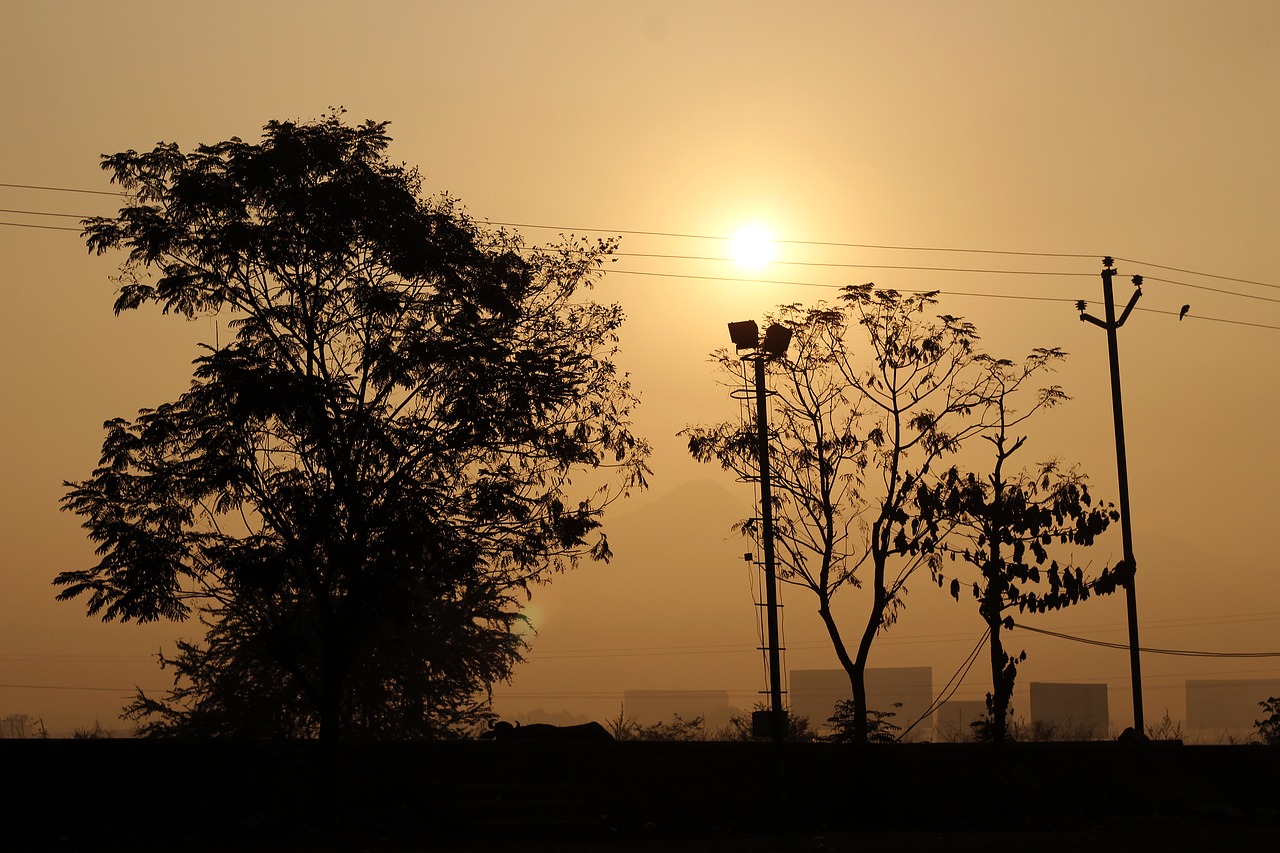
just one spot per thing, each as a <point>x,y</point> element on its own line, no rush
<point>63,189</point>
<point>1125,646</point>
<point>775,282</point>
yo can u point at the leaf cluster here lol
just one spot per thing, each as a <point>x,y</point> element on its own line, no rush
<point>842,724</point>
<point>1268,728</point>
<point>1010,533</point>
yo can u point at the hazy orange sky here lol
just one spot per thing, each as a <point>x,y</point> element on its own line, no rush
<point>1144,130</point>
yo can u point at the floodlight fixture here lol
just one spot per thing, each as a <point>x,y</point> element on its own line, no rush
<point>745,335</point>
<point>776,340</point>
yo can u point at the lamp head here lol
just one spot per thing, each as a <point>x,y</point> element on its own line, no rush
<point>776,340</point>
<point>745,335</point>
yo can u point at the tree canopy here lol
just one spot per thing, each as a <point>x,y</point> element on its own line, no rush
<point>357,489</point>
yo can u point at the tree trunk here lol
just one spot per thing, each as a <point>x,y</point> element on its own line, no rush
<point>851,668</point>
<point>1001,689</point>
<point>859,673</point>
<point>333,677</point>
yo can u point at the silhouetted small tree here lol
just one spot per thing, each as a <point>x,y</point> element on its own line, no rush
<point>741,728</point>
<point>1009,521</point>
<point>843,724</point>
<point>678,728</point>
<point>1165,729</point>
<point>95,733</point>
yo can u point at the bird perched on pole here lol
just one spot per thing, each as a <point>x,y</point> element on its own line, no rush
<point>1183,312</point>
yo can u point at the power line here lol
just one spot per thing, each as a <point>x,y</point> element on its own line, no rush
<point>829,244</point>
<point>63,189</point>
<point>775,282</point>
<point>77,658</point>
<point>1194,272</point>
<point>1125,646</point>
<point>1211,319</point>
<point>825,243</point>
<point>1014,296</point>
<point>42,213</point>
<point>783,282</point>
<point>854,266</point>
<point>125,690</point>
<point>659,256</point>
<point>1191,622</point>
<point>952,685</point>
<point>42,227</point>
<point>1146,278</point>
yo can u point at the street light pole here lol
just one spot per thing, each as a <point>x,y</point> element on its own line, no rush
<point>777,338</point>
<point>1111,325</point>
<point>778,726</point>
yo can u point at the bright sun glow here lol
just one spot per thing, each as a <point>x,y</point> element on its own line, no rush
<point>752,247</point>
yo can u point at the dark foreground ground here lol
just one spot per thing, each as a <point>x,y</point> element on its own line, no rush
<point>528,796</point>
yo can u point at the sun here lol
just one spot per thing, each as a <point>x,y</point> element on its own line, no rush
<point>752,247</point>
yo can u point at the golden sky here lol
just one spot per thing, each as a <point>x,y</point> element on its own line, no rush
<point>1143,129</point>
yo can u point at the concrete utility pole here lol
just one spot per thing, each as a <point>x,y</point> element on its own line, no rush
<point>774,345</point>
<point>1111,324</point>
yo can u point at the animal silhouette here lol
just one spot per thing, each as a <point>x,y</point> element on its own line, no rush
<point>503,730</point>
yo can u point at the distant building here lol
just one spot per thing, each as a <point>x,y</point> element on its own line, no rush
<point>953,721</point>
<point>1073,711</point>
<point>815,692</point>
<point>647,707</point>
<point>1226,708</point>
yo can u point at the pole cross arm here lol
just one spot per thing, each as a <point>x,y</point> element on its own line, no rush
<point>1133,300</point>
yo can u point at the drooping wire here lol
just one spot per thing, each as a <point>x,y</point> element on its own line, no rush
<point>952,685</point>
<point>1213,289</point>
<point>1125,646</point>
<point>1195,272</point>
<point>63,189</point>
<point>844,265</point>
<point>41,227</point>
<point>42,213</point>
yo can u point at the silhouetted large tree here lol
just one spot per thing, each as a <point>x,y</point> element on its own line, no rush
<point>355,491</point>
